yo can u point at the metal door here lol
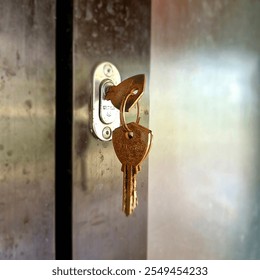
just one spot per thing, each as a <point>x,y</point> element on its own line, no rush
<point>118,32</point>
<point>32,81</point>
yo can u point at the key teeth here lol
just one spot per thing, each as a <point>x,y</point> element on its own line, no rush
<point>132,207</point>
<point>129,203</point>
<point>138,168</point>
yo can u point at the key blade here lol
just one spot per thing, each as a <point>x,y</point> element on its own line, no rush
<point>118,93</point>
<point>129,190</point>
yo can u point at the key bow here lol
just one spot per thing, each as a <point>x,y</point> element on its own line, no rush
<point>133,85</point>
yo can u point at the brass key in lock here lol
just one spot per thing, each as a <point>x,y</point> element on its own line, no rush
<point>132,87</point>
<point>132,143</point>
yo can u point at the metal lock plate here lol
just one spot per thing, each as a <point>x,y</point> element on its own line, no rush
<point>105,117</point>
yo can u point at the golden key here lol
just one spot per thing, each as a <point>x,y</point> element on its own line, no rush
<point>132,143</point>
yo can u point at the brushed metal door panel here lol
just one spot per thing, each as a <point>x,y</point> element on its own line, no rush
<point>27,92</point>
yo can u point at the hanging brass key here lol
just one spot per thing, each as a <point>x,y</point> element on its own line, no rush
<point>131,149</point>
<point>132,143</point>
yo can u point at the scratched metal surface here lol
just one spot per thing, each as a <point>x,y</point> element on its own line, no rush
<point>119,32</point>
<point>204,170</point>
<point>27,72</point>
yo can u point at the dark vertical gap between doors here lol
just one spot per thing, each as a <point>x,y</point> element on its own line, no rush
<point>63,142</point>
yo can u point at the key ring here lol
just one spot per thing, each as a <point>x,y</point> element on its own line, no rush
<point>122,111</point>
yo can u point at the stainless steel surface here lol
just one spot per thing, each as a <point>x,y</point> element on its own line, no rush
<point>116,31</point>
<point>104,116</point>
<point>27,91</point>
<point>204,168</point>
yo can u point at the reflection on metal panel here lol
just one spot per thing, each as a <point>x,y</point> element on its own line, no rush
<point>119,32</point>
<point>27,72</point>
<point>205,62</point>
